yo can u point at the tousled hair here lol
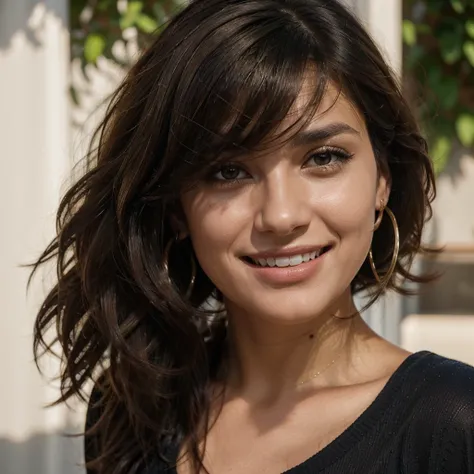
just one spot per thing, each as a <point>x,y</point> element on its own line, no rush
<point>222,76</point>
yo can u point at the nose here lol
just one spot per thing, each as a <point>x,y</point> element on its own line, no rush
<point>284,205</point>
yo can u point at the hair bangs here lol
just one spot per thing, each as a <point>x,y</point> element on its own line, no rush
<point>251,100</point>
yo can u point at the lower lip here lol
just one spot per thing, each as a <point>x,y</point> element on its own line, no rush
<point>288,275</point>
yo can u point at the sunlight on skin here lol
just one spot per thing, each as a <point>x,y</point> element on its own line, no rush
<point>283,199</point>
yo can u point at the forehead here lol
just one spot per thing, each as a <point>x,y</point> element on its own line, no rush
<point>305,124</point>
<point>335,106</point>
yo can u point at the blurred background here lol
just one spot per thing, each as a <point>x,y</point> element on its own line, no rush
<point>59,61</point>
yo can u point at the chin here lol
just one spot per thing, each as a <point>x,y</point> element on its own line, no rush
<point>290,310</point>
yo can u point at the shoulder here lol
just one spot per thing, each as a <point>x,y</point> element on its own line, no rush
<point>441,391</point>
<point>441,414</point>
<point>446,380</point>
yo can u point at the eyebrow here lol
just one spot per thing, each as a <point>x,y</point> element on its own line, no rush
<point>308,137</point>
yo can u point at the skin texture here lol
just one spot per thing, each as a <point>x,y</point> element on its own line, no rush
<point>283,200</point>
<point>281,334</point>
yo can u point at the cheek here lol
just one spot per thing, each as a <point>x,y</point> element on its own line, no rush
<point>215,225</point>
<point>349,214</point>
<point>348,210</point>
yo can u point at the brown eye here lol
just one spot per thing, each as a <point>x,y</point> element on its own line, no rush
<point>324,158</point>
<point>328,158</point>
<point>230,172</point>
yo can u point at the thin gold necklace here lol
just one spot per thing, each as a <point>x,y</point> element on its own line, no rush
<point>317,374</point>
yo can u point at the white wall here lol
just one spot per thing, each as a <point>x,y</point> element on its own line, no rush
<point>34,159</point>
<point>454,206</point>
<point>383,19</point>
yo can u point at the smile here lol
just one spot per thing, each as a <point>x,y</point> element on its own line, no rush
<point>287,266</point>
<point>287,258</point>
<point>290,261</point>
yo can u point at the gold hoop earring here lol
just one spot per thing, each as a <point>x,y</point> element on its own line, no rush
<point>166,256</point>
<point>396,249</point>
<point>379,217</point>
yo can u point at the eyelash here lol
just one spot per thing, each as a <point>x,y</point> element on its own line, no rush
<point>342,158</point>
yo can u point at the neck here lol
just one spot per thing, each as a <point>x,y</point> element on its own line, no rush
<point>268,361</point>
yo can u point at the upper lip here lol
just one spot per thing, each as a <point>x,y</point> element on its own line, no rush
<point>288,252</point>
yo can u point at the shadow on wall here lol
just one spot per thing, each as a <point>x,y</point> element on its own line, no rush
<point>454,170</point>
<point>453,292</point>
<point>42,454</point>
<point>27,17</point>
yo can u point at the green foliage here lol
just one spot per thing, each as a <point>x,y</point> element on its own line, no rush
<point>465,129</point>
<point>96,25</point>
<point>94,46</point>
<point>439,71</point>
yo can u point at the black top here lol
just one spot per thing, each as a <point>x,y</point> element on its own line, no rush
<point>422,422</point>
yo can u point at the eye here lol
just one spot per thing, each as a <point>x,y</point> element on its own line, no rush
<point>230,172</point>
<point>324,158</point>
<point>328,157</point>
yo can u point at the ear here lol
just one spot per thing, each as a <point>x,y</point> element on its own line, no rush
<point>382,195</point>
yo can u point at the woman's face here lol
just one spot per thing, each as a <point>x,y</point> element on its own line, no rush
<point>283,233</point>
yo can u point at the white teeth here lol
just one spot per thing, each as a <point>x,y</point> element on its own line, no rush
<point>283,262</point>
<point>296,260</point>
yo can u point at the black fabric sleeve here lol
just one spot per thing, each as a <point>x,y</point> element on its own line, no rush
<point>457,438</point>
<point>447,420</point>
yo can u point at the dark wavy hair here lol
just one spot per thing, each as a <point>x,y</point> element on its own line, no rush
<point>222,76</point>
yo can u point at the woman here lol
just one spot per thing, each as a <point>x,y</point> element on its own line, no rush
<point>257,168</point>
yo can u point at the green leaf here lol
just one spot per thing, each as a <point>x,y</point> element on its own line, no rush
<point>445,88</point>
<point>93,47</point>
<point>465,129</point>
<point>458,6</point>
<point>440,152</point>
<point>434,6</point>
<point>414,55</point>
<point>424,29</point>
<point>470,28</point>
<point>146,24</point>
<point>451,47</point>
<point>449,90</point>
<point>468,49</point>
<point>135,7</point>
<point>159,12</point>
<point>104,5</point>
<point>409,32</point>
<point>130,17</point>
<point>434,75</point>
